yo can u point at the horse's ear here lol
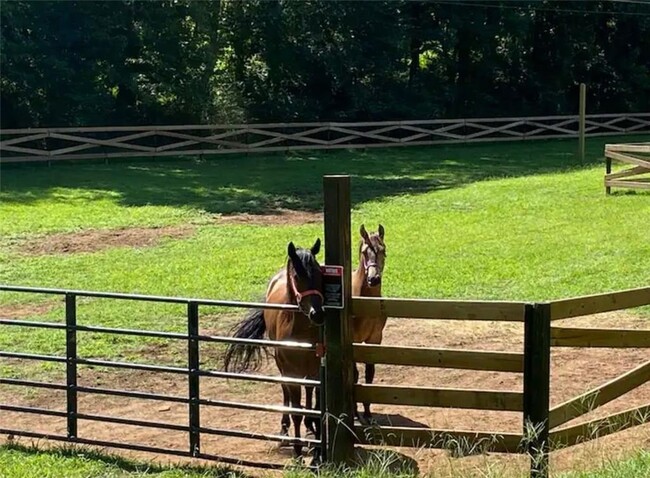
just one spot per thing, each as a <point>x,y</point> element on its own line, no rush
<point>291,250</point>
<point>364,233</point>
<point>315,249</point>
<point>381,232</point>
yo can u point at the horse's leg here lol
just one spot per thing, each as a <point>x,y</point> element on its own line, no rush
<point>294,395</point>
<point>285,422</point>
<point>317,433</point>
<point>310,421</point>
<point>370,376</point>
<point>356,380</point>
<point>375,338</point>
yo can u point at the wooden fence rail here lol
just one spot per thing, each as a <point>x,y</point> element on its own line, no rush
<point>611,338</point>
<point>438,309</point>
<point>598,396</point>
<point>440,358</point>
<point>48,144</point>
<point>440,397</point>
<point>598,303</point>
<point>599,427</point>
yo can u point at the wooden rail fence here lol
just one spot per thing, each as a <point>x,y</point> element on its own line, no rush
<point>540,335</point>
<point>636,157</point>
<point>48,144</point>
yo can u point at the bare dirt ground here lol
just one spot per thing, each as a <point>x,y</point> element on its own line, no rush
<point>574,371</point>
<point>282,217</point>
<point>22,311</point>
<point>97,240</point>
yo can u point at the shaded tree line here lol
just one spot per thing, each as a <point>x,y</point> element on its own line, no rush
<point>182,61</point>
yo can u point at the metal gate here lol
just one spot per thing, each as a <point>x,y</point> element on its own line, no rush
<point>193,371</point>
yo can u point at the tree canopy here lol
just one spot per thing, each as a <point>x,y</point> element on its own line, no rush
<point>182,61</point>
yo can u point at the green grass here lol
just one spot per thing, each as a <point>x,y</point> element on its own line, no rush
<point>637,466</point>
<point>32,462</point>
<point>28,462</point>
<point>521,221</point>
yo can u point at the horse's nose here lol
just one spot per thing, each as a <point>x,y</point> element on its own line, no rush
<point>317,316</point>
<point>374,281</point>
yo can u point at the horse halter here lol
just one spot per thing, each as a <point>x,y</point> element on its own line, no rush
<point>367,264</point>
<point>306,293</point>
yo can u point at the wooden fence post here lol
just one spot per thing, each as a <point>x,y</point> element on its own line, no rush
<point>608,170</point>
<point>537,370</point>
<point>339,367</point>
<point>582,121</point>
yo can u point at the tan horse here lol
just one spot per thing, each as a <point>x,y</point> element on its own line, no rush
<point>366,282</point>
<point>300,283</point>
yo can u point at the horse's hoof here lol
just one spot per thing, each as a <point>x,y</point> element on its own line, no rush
<point>284,443</point>
<point>316,461</point>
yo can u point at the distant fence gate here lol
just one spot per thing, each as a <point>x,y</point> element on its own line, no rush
<point>542,426</point>
<point>635,156</point>
<point>49,144</point>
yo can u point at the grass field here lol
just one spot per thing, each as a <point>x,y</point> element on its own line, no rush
<point>26,462</point>
<point>521,221</point>
<point>518,221</point>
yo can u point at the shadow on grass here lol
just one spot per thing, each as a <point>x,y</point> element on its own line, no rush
<point>263,183</point>
<point>123,464</point>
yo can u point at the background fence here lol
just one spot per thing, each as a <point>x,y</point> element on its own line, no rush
<point>47,144</point>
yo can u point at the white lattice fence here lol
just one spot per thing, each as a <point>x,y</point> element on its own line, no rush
<point>19,145</point>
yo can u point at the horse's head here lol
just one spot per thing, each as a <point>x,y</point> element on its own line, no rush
<point>306,281</point>
<point>373,255</point>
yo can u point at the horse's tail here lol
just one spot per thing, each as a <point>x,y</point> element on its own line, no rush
<point>242,357</point>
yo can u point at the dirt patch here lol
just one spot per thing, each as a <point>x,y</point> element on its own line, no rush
<point>24,311</point>
<point>573,371</point>
<point>280,217</point>
<point>97,240</point>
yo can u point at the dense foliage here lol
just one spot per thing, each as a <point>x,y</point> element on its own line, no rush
<point>180,61</point>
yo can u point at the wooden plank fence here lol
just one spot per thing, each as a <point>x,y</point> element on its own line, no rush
<point>597,303</point>
<point>544,422</point>
<point>634,156</point>
<point>48,144</point>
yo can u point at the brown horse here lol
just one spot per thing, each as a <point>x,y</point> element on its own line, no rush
<point>366,282</point>
<point>300,283</point>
